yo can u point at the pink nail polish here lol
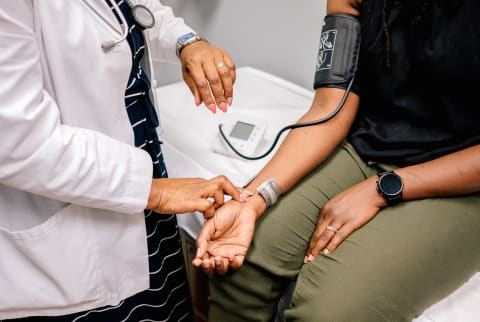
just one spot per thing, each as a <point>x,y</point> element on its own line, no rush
<point>245,195</point>
<point>223,107</point>
<point>212,108</point>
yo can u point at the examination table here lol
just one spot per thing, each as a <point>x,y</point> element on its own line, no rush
<point>190,133</point>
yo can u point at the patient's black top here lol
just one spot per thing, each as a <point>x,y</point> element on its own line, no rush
<point>418,80</point>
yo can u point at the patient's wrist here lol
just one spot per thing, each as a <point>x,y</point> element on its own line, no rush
<point>266,195</point>
<point>257,203</point>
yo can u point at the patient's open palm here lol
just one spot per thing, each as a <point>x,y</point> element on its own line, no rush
<point>227,235</point>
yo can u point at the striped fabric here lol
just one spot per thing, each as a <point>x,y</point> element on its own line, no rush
<point>167,299</point>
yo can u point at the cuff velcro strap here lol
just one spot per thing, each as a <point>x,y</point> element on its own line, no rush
<point>338,51</point>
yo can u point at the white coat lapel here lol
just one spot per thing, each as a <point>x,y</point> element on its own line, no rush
<point>101,8</point>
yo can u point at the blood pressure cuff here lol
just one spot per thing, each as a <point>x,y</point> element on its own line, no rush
<point>338,51</point>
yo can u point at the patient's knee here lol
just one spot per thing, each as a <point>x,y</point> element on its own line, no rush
<point>333,306</point>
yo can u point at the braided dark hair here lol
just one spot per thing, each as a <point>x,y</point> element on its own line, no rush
<point>388,62</point>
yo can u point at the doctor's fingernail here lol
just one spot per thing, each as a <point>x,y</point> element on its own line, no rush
<point>229,101</point>
<point>245,195</point>
<point>223,107</point>
<point>212,108</point>
<point>326,252</point>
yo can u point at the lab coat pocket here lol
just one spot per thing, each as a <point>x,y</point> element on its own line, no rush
<point>50,266</point>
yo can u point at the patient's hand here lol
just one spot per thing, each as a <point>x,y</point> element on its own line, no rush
<point>224,239</point>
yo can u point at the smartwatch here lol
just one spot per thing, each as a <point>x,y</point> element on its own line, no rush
<point>390,187</point>
<point>186,40</point>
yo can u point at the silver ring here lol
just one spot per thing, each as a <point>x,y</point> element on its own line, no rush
<point>220,65</point>
<point>331,228</point>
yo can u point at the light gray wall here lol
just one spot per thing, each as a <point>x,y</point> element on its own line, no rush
<point>277,36</point>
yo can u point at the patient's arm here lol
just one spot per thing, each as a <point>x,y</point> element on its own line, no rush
<point>343,6</point>
<point>307,146</point>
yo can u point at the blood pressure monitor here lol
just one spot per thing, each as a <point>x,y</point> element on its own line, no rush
<point>244,134</point>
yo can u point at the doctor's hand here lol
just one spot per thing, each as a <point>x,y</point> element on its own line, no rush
<point>181,195</point>
<point>209,72</point>
<point>342,215</point>
<point>224,239</point>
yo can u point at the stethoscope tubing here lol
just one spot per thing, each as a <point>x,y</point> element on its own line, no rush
<point>109,44</point>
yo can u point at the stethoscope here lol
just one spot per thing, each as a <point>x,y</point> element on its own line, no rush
<point>142,15</point>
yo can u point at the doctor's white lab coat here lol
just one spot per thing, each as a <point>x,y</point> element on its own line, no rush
<point>72,186</point>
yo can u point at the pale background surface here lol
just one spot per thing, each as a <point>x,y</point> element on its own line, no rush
<point>277,36</point>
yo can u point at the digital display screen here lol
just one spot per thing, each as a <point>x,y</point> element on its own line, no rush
<point>242,130</point>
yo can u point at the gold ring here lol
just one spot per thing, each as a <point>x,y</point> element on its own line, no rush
<point>331,228</point>
<point>220,65</point>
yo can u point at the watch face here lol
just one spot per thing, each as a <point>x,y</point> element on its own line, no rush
<point>186,37</point>
<point>390,184</point>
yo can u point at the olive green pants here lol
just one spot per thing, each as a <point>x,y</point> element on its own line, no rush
<point>393,268</point>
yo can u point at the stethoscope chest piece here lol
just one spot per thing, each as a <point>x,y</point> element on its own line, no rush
<point>143,16</point>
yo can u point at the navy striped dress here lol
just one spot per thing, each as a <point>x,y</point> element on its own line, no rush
<point>168,298</point>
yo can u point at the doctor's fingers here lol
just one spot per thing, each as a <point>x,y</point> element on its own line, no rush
<point>226,70</point>
<point>221,78</point>
<point>220,72</point>
<point>221,185</point>
<point>212,87</point>
<point>199,85</point>
<point>208,211</point>
<point>192,58</point>
<point>207,68</point>
<point>211,91</point>
<point>191,85</point>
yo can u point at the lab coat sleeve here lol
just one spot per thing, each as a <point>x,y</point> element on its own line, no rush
<point>41,155</point>
<point>162,38</point>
